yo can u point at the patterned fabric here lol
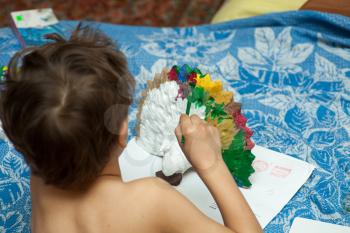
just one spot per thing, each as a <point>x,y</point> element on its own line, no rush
<point>141,12</point>
<point>291,71</point>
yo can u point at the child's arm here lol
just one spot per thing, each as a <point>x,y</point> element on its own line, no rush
<point>202,148</point>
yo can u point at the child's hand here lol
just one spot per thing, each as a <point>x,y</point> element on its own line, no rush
<point>202,148</point>
<point>202,145</point>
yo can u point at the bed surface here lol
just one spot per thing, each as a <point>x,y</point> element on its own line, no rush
<point>290,70</point>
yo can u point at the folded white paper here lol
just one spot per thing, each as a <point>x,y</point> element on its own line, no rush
<point>302,225</point>
<point>277,178</point>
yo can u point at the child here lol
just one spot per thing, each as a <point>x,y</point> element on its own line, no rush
<point>53,109</point>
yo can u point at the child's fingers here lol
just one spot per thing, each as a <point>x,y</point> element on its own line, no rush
<point>195,119</point>
<point>178,134</point>
<point>215,132</point>
<point>185,123</point>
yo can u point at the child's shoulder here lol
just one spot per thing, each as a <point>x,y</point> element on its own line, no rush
<point>148,183</point>
<point>146,191</point>
<point>152,183</point>
<point>150,205</point>
<point>150,191</point>
<point>140,201</point>
<point>120,205</point>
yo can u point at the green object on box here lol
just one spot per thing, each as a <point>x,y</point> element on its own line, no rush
<point>19,17</point>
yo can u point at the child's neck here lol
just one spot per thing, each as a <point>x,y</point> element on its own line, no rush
<point>38,186</point>
<point>112,168</point>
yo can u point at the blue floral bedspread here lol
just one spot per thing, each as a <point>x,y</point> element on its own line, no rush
<point>291,71</point>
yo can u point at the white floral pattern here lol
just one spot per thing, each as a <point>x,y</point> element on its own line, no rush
<point>275,53</point>
<point>11,222</point>
<point>186,44</point>
<point>293,81</point>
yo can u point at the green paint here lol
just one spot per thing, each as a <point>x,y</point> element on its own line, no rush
<point>236,157</point>
<point>198,96</point>
<point>188,108</point>
<point>239,160</point>
<point>19,17</point>
<point>188,69</point>
<point>197,71</point>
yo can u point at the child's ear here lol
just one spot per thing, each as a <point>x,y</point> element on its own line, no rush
<point>123,134</point>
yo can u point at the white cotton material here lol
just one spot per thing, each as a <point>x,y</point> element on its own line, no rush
<point>160,115</point>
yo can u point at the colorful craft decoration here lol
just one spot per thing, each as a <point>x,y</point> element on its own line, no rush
<point>186,90</point>
<point>3,71</point>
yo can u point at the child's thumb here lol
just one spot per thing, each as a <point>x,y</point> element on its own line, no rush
<point>178,134</point>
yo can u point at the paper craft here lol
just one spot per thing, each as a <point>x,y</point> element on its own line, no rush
<point>277,178</point>
<point>187,90</point>
<point>302,225</point>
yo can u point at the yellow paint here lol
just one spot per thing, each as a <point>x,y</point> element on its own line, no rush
<point>227,130</point>
<point>214,88</point>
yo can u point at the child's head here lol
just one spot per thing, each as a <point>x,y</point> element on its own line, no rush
<point>54,104</point>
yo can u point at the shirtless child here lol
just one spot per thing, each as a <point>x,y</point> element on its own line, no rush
<point>53,107</point>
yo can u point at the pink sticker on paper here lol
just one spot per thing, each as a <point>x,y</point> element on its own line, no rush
<point>260,165</point>
<point>281,172</point>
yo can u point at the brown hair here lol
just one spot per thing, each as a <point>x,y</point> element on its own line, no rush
<point>54,101</point>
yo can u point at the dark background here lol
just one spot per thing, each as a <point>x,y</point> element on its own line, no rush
<point>132,12</point>
<point>145,12</point>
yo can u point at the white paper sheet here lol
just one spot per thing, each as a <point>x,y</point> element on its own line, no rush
<point>277,178</point>
<point>302,225</point>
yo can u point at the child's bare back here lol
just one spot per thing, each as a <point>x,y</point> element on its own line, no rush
<point>145,205</point>
<point>109,206</point>
<point>53,109</point>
